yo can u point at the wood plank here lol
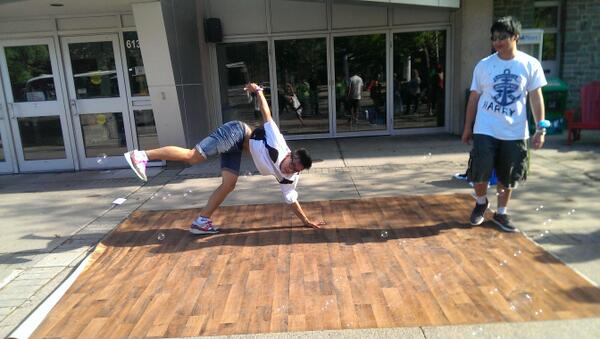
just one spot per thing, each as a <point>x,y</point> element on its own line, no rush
<point>266,273</point>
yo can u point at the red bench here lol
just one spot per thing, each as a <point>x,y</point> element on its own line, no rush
<point>589,117</point>
<point>590,112</point>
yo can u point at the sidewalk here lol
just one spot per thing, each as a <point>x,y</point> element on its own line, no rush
<point>53,220</point>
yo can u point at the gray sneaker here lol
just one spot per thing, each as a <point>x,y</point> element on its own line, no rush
<point>478,212</point>
<point>503,220</point>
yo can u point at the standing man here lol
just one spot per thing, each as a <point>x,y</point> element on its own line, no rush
<point>497,104</point>
<point>269,151</point>
<point>354,95</point>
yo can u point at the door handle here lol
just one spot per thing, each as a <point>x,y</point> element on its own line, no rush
<point>73,104</point>
<point>11,110</point>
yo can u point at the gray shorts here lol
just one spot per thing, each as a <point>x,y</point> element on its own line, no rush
<point>228,141</point>
<point>508,157</point>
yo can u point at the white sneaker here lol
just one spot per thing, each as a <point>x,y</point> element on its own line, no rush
<point>137,160</point>
<point>203,225</point>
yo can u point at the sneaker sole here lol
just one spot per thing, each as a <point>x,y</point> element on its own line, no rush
<point>477,223</point>
<point>200,232</point>
<point>509,230</point>
<point>214,227</point>
<point>127,156</point>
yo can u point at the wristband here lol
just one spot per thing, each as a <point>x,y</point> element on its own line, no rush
<point>543,124</point>
<point>542,131</point>
<point>259,89</point>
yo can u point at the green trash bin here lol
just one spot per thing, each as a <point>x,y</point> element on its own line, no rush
<point>555,101</point>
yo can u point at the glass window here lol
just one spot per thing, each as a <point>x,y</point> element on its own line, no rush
<point>30,73</point>
<point>135,65</point>
<point>239,64</point>
<point>360,77</point>
<point>42,138</point>
<point>549,46</point>
<point>419,79</point>
<point>546,17</point>
<point>94,71</point>
<point>302,86</point>
<point>103,134</point>
<point>146,129</point>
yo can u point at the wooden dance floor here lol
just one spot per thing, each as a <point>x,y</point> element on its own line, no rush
<point>381,262</point>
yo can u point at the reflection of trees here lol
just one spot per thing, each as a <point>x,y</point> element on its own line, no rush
<point>97,56</point>
<point>299,60</point>
<point>431,44</point>
<point>26,62</point>
<point>364,54</point>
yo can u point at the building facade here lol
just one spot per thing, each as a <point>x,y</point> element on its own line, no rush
<point>82,82</point>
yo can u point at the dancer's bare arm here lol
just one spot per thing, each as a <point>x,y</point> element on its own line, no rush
<point>262,101</point>
<point>300,214</point>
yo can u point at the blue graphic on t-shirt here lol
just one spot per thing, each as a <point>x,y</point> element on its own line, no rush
<point>504,86</point>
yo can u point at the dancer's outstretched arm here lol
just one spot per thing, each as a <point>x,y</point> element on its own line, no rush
<point>300,214</point>
<point>262,101</point>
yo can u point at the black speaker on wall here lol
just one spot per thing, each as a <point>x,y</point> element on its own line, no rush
<point>212,30</point>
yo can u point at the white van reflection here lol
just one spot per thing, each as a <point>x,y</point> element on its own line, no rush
<point>39,88</point>
<point>88,85</point>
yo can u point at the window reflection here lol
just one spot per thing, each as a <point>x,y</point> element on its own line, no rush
<point>360,82</point>
<point>94,72</point>
<point>240,63</point>
<point>135,64</point>
<point>419,79</point>
<point>146,129</point>
<point>41,138</point>
<point>30,73</point>
<point>103,133</point>
<point>302,86</point>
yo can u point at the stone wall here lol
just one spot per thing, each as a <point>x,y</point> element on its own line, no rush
<point>580,54</point>
<point>581,49</point>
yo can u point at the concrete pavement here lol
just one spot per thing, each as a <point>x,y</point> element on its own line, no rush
<point>52,221</point>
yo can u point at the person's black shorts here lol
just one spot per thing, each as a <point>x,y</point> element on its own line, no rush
<point>508,157</point>
<point>354,104</point>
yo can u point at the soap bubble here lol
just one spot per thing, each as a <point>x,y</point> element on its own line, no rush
<point>520,300</point>
<point>160,236</point>
<point>384,234</point>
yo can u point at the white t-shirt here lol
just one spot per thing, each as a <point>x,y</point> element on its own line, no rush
<point>356,85</point>
<point>268,151</point>
<point>503,86</point>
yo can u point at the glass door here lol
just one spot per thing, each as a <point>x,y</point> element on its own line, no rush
<point>6,159</point>
<point>302,91</point>
<point>35,105</point>
<point>360,83</point>
<point>97,98</point>
<point>238,64</point>
<point>419,61</point>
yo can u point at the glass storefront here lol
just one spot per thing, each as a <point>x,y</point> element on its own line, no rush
<point>360,74</point>
<point>239,64</point>
<point>359,90</point>
<point>419,79</point>
<point>302,86</point>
